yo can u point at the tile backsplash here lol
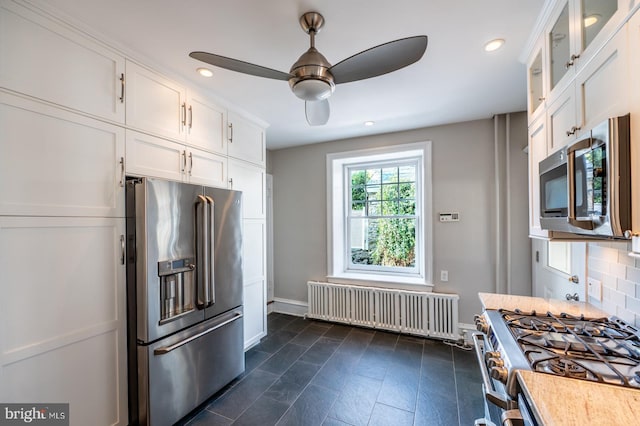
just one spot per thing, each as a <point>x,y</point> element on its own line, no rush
<point>619,273</point>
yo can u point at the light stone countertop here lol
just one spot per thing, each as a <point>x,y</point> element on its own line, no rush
<point>562,401</point>
<point>540,305</point>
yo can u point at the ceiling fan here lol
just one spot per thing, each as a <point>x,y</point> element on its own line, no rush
<point>313,79</point>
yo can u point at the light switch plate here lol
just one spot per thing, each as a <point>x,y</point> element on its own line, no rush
<point>595,289</point>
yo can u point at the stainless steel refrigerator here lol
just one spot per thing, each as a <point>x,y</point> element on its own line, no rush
<point>184,296</point>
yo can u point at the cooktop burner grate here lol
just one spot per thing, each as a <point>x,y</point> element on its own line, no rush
<point>597,349</point>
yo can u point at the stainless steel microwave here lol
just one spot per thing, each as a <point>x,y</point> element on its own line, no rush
<point>585,188</point>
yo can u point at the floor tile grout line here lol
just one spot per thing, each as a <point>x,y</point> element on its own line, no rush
<point>311,380</point>
<point>455,384</point>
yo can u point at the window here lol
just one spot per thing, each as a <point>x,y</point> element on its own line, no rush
<point>559,256</point>
<point>379,214</point>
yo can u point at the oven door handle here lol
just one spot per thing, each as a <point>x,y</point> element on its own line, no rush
<point>490,393</point>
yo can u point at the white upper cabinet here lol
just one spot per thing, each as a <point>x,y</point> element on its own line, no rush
<point>246,140</point>
<point>57,163</point>
<point>154,103</point>
<point>49,61</point>
<point>577,30</point>
<point>563,120</point>
<point>152,156</point>
<point>536,80</point>
<point>164,108</point>
<point>206,124</point>
<point>537,153</point>
<point>602,85</point>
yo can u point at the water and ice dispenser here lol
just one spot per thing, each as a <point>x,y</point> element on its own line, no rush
<point>177,287</point>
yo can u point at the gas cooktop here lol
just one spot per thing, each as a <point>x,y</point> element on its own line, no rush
<point>597,349</point>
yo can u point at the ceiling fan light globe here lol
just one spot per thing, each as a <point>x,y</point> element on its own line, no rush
<point>312,89</point>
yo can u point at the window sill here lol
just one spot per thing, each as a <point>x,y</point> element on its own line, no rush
<point>383,281</point>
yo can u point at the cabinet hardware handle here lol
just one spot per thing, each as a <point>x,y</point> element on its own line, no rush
<point>122,249</point>
<point>231,182</point>
<point>184,161</point>
<point>122,172</point>
<point>231,132</point>
<point>573,130</point>
<point>541,98</point>
<point>184,114</point>
<point>571,61</point>
<point>190,116</point>
<point>190,162</point>
<point>122,88</point>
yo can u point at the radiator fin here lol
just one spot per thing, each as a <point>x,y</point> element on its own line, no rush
<point>411,312</point>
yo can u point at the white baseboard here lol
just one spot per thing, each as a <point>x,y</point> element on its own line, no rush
<point>288,306</point>
<point>254,341</point>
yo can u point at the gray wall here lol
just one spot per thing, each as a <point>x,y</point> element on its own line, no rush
<point>464,181</point>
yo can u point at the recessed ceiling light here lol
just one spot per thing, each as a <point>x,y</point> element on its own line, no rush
<point>205,72</point>
<point>369,123</point>
<point>494,45</point>
<point>590,20</point>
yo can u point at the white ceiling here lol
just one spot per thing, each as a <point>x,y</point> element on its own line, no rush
<point>455,81</point>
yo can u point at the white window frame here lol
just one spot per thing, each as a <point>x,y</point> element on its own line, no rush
<point>338,202</point>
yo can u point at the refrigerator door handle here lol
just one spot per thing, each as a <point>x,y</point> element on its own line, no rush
<point>211,240</point>
<point>166,349</point>
<point>202,252</point>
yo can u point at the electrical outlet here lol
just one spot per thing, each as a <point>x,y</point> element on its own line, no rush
<point>444,276</point>
<point>595,289</point>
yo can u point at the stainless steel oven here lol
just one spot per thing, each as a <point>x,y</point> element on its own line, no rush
<point>498,357</point>
<point>601,350</point>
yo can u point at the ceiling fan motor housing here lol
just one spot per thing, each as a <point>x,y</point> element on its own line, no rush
<point>312,80</point>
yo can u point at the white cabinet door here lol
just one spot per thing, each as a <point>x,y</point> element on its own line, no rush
<point>156,157</point>
<point>57,163</point>
<point>206,124</point>
<point>246,140</point>
<point>255,313</point>
<point>603,84</point>
<point>537,153</point>
<point>562,120</point>
<point>254,277</point>
<point>249,179</point>
<point>253,250</point>
<point>155,104</point>
<point>49,61</point>
<point>63,313</point>
<point>206,168</point>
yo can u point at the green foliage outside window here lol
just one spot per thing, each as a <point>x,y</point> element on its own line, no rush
<point>384,198</point>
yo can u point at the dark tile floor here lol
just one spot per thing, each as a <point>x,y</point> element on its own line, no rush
<point>308,372</point>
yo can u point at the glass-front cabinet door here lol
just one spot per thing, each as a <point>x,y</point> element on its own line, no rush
<point>536,95</point>
<point>595,14</point>
<point>559,47</point>
<point>572,37</point>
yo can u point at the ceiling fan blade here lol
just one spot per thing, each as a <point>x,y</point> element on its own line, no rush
<point>380,60</point>
<point>239,66</point>
<point>317,112</point>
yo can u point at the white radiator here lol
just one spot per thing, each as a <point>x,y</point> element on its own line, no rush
<point>411,312</point>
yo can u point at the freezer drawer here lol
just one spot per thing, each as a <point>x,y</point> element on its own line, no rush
<point>180,372</point>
